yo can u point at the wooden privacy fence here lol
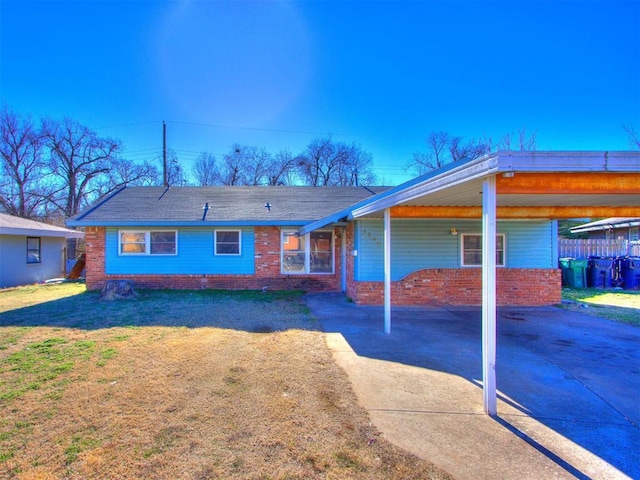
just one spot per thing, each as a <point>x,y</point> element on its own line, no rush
<point>580,248</point>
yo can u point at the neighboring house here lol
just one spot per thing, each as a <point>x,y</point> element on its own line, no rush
<point>31,252</point>
<point>614,228</point>
<point>417,243</point>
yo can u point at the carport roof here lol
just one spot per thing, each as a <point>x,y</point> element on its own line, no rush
<point>529,184</point>
<point>607,224</point>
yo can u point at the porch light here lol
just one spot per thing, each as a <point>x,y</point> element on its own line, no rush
<point>453,231</point>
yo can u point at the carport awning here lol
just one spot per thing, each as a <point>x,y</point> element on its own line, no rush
<point>528,185</point>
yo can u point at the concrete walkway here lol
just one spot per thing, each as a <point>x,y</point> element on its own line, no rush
<point>568,388</point>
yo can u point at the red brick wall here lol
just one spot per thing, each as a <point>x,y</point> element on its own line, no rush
<point>463,286</point>
<point>267,269</point>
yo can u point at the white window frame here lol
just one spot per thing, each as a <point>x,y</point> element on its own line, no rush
<point>634,234</point>
<point>284,237</point>
<point>147,243</point>
<point>215,242</point>
<point>474,265</point>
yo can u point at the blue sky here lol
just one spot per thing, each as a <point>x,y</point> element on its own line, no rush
<point>278,74</point>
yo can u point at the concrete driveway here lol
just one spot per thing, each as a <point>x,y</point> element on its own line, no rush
<point>568,388</point>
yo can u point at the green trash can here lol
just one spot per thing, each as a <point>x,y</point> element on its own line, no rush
<point>577,273</point>
<point>563,263</point>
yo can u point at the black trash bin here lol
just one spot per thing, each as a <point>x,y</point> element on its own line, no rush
<point>630,272</point>
<point>600,273</point>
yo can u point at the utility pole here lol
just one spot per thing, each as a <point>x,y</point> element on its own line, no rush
<point>164,154</point>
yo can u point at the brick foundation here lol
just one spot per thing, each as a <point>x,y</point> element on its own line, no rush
<point>267,269</point>
<point>463,286</point>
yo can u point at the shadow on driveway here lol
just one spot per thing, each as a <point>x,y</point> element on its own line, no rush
<point>568,387</point>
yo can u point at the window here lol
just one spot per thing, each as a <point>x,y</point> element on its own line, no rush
<point>148,242</point>
<point>311,253</point>
<point>33,250</point>
<point>293,253</point>
<point>227,242</point>
<point>321,254</point>
<point>634,234</point>
<point>472,250</point>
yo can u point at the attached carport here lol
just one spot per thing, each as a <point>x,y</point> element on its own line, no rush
<point>508,185</point>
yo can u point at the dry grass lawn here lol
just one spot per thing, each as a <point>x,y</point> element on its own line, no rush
<point>179,385</point>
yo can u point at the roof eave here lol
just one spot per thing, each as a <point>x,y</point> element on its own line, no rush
<point>553,161</point>
<point>194,223</point>
<point>604,226</point>
<point>431,182</point>
<point>34,232</point>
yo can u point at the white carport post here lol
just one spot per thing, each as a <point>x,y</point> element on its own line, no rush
<point>489,294</point>
<point>387,270</point>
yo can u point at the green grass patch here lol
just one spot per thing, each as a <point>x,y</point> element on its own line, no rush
<point>39,363</point>
<point>105,355</point>
<point>618,305</point>
<point>7,454</point>
<point>78,445</point>
<point>12,337</point>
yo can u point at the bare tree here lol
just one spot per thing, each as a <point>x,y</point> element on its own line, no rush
<point>442,149</point>
<point>634,138</point>
<point>77,158</point>
<point>233,168</point>
<point>357,170</point>
<point>282,168</point>
<point>459,150</point>
<point>325,162</point>
<point>436,155</point>
<point>524,142</point>
<point>205,170</point>
<point>176,175</point>
<point>124,172</point>
<point>22,169</point>
<point>257,163</point>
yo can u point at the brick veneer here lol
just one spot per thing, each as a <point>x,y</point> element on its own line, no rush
<point>463,286</point>
<point>267,269</point>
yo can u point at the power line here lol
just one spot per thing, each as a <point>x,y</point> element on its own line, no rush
<point>273,130</point>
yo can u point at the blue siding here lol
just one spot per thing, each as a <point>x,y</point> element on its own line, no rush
<point>195,256</point>
<point>420,244</point>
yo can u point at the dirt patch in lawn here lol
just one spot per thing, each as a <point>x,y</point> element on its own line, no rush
<point>165,386</point>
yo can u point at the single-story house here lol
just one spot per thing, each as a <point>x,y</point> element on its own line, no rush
<point>30,251</point>
<point>477,232</point>
<point>332,238</point>
<point>613,228</point>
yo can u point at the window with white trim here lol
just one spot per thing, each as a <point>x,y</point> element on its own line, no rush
<point>151,242</point>
<point>33,250</point>
<point>472,250</point>
<point>226,242</point>
<point>311,253</point>
<point>634,234</point>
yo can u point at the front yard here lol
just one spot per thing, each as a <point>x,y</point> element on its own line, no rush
<point>172,385</point>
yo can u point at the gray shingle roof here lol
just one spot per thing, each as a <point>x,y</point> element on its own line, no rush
<point>242,205</point>
<point>12,225</point>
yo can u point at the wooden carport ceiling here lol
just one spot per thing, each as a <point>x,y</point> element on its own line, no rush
<point>534,195</point>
